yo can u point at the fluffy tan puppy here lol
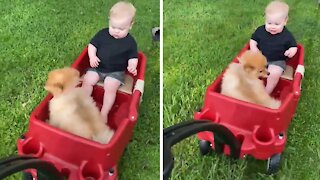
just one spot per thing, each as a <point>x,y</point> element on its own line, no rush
<point>241,80</point>
<point>73,110</point>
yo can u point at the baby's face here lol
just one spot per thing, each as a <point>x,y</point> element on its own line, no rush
<point>119,27</point>
<point>275,23</point>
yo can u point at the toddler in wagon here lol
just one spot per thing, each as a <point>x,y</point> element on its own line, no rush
<point>112,51</point>
<point>275,41</point>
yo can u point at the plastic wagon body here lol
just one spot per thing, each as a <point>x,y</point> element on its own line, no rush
<point>260,130</point>
<point>76,157</point>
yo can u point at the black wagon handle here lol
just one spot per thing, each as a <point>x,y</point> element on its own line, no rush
<point>45,170</point>
<point>181,131</point>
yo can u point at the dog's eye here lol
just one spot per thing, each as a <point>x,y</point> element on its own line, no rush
<point>261,71</point>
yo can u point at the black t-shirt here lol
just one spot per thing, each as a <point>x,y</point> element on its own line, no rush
<point>274,46</point>
<point>114,53</point>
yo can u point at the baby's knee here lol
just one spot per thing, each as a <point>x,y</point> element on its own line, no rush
<point>273,78</point>
<point>275,72</point>
<point>87,83</point>
<point>275,75</point>
<point>110,88</point>
<point>111,85</point>
<point>90,79</point>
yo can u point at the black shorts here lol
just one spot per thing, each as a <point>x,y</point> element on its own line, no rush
<point>280,63</point>
<point>118,75</point>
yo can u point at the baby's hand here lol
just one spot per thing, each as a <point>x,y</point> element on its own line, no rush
<point>94,61</point>
<point>254,49</point>
<point>291,52</point>
<point>132,66</point>
<point>132,70</point>
<point>253,45</point>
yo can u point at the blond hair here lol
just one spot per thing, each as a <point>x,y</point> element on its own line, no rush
<point>122,9</point>
<point>277,7</point>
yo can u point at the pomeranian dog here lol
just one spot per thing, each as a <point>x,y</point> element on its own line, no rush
<point>73,110</point>
<point>241,80</point>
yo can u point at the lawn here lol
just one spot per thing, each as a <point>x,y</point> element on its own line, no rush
<point>200,40</point>
<point>39,36</point>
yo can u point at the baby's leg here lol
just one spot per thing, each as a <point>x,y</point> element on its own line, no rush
<point>111,86</point>
<point>90,79</point>
<point>273,78</point>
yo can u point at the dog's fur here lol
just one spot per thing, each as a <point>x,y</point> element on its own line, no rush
<point>241,80</point>
<point>73,110</point>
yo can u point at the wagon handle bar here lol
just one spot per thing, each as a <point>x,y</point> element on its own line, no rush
<point>181,131</point>
<point>45,170</point>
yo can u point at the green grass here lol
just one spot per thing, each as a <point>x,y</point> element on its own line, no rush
<point>39,36</point>
<point>200,40</point>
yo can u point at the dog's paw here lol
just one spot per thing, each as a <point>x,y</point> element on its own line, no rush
<point>104,136</point>
<point>275,104</point>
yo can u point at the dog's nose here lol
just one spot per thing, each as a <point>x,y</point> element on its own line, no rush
<point>268,73</point>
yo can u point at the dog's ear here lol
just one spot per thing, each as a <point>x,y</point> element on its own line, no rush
<point>54,89</point>
<point>75,72</point>
<point>240,60</point>
<point>248,68</point>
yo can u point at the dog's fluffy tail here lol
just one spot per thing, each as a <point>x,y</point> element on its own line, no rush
<point>103,136</point>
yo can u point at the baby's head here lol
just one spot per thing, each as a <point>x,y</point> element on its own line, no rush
<point>276,15</point>
<point>121,18</point>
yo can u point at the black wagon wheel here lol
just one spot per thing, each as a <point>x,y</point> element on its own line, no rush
<point>155,33</point>
<point>205,147</point>
<point>27,176</point>
<point>45,170</point>
<point>176,133</point>
<point>273,164</point>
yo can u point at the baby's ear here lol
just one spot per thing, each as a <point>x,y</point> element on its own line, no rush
<point>131,24</point>
<point>286,20</point>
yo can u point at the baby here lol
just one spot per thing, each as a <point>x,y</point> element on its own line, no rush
<point>112,51</point>
<point>275,41</point>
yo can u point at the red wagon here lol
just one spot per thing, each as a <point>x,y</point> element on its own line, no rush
<point>247,128</point>
<point>77,158</point>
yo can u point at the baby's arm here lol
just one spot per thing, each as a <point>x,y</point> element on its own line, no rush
<point>291,52</point>
<point>253,45</point>
<point>132,66</point>
<point>92,52</point>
